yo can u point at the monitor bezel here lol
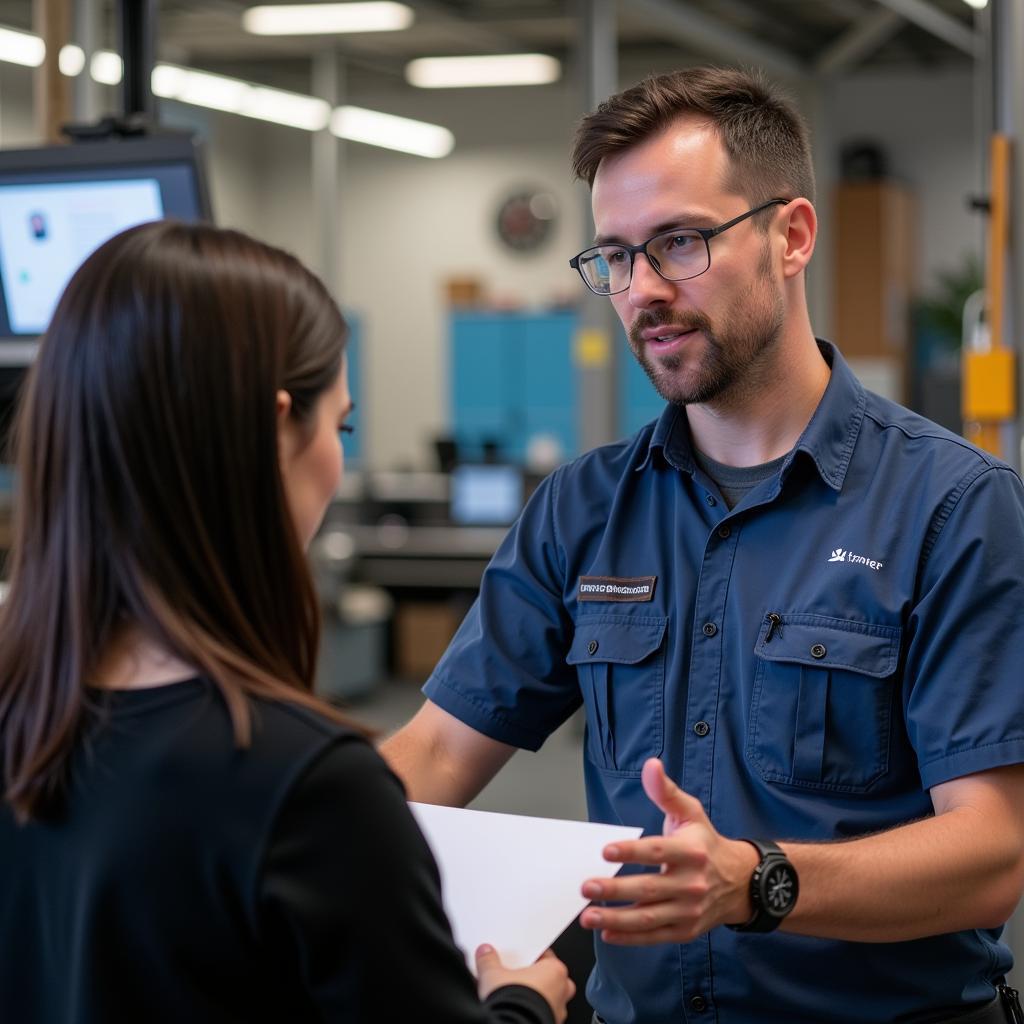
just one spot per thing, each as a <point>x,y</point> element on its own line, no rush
<point>113,152</point>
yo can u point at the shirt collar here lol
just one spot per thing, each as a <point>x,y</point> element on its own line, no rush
<point>828,439</point>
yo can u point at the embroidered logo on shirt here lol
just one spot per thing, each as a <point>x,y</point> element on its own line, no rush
<point>616,588</point>
<point>843,555</point>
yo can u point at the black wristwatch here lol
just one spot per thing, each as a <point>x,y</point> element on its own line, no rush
<point>774,887</point>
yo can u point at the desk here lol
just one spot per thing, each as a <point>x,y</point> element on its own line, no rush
<point>422,557</point>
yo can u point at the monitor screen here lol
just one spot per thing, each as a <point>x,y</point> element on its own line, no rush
<point>59,203</point>
<point>486,495</point>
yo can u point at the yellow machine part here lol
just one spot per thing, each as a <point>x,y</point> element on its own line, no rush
<point>989,388</point>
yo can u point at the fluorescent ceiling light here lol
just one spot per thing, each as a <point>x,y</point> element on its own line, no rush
<point>503,69</point>
<point>978,5</point>
<point>106,67</point>
<point>376,129</point>
<point>326,19</point>
<point>219,92</point>
<point>21,48</point>
<point>71,60</point>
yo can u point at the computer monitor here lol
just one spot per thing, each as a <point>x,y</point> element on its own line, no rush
<point>486,495</point>
<point>59,203</point>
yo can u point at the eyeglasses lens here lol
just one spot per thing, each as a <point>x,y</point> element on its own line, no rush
<point>676,255</point>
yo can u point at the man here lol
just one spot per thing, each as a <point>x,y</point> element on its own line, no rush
<point>791,610</point>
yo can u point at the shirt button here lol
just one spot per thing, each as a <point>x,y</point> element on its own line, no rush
<point>724,532</point>
<point>698,1004</point>
<point>592,647</point>
<point>818,651</point>
<point>710,499</point>
<point>710,629</point>
<point>702,728</point>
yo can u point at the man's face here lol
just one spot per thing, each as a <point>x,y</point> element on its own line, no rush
<point>711,337</point>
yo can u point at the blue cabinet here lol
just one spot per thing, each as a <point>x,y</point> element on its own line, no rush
<point>352,443</point>
<point>513,377</point>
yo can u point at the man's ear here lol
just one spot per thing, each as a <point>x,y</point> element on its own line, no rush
<point>800,224</point>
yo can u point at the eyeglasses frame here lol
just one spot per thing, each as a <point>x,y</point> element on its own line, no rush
<point>705,233</point>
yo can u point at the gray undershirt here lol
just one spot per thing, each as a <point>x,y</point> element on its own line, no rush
<point>736,481</point>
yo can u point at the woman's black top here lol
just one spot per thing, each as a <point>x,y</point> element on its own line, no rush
<point>185,880</point>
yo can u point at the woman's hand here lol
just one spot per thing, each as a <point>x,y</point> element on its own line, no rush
<point>549,976</point>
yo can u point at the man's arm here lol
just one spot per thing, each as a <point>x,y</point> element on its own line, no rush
<point>961,869</point>
<point>442,760</point>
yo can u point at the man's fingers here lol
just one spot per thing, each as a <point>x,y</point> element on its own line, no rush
<point>648,887</point>
<point>667,796</point>
<point>654,850</point>
<point>643,919</point>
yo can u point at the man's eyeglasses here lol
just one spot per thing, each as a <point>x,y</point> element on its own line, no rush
<point>676,255</point>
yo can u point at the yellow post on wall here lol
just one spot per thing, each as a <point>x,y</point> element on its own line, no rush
<point>989,392</point>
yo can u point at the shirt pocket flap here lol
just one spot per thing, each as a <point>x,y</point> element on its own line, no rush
<point>823,642</point>
<point>623,640</point>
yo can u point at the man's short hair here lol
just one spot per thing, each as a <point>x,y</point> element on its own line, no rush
<point>763,133</point>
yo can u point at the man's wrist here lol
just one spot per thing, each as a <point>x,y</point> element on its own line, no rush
<point>747,858</point>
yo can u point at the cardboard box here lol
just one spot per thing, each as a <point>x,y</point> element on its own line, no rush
<point>422,632</point>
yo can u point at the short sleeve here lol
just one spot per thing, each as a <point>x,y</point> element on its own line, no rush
<point>349,905</point>
<point>963,697</point>
<point>505,673</point>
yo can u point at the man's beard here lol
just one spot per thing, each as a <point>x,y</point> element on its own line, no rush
<point>735,356</point>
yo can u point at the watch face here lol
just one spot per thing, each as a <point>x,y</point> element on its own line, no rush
<point>778,889</point>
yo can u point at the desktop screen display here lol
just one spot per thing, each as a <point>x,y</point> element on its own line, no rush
<point>486,495</point>
<point>58,205</point>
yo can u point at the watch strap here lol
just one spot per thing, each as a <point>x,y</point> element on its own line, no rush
<point>762,920</point>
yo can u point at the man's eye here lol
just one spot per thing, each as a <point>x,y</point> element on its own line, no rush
<point>616,256</point>
<point>677,242</point>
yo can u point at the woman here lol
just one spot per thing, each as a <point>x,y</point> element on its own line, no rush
<point>186,833</point>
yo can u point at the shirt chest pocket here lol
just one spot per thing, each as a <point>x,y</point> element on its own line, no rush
<point>822,702</point>
<point>620,662</point>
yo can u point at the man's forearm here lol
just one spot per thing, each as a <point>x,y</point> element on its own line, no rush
<point>955,871</point>
<point>441,760</point>
<point>423,769</point>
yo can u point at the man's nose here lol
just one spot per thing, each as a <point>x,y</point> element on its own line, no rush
<point>647,287</point>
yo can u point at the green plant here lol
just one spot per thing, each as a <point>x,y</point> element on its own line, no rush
<point>940,312</point>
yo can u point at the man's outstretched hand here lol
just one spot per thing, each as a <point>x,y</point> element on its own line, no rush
<point>703,882</point>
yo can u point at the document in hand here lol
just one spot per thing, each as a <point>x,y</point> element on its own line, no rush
<point>514,881</point>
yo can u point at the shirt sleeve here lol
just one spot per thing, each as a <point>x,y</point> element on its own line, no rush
<point>504,674</point>
<point>963,698</point>
<point>349,905</point>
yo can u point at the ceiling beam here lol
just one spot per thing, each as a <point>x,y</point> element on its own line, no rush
<point>931,19</point>
<point>859,41</point>
<point>697,31</point>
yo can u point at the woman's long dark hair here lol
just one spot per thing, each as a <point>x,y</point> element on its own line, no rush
<point>149,489</point>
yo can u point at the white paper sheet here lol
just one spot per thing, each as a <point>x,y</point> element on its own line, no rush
<point>514,881</point>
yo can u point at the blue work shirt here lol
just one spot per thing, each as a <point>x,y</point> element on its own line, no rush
<point>807,665</point>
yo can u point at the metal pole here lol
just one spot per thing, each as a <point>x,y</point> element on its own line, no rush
<point>86,92</point>
<point>327,170</point>
<point>138,51</point>
<point>597,348</point>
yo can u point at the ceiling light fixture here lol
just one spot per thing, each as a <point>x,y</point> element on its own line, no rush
<point>219,92</point>
<point>106,67</point>
<point>21,48</point>
<point>401,133</point>
<point>472,72</point>
<point>978,5</point>
<point>326,19</point>
<point>71,60</point>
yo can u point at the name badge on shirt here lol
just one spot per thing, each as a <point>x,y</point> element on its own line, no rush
<point>616,588</point>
